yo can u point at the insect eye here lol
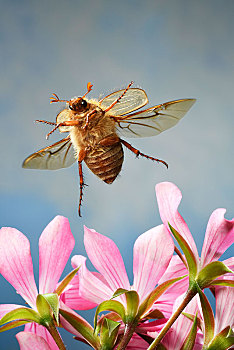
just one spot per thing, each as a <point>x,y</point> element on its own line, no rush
<point>83,103</point>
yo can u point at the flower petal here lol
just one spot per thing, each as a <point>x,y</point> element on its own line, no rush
<point>91,288</point>
<point>169,197</point>
<point>176,268</point>
<point>72,298</point>
<point>224,307</point>
<point>180,329</point>
<point>137,343</point>
<point>16,263</point>
<point>55,246</point>
<point>219,236</point>
<point>152,253</point>
<point>29,341</point>
<point>106,258</point>
<point>42,332</point>
<point>166,301</point>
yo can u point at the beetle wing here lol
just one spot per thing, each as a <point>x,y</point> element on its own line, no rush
<point>132,100</point>
<point>154,120</point>
<point>63,116</point>
<point>57,156</point>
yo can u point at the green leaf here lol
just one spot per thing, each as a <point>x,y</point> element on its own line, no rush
<point>43,306</point>
<point>21,314</point>
<point>208,317</point>
<point>83,327</point>
<point>53,302</point>
<point>63,284</point>
<point>110,305</point>
<point>155,294</point>
<point>192,318</point>
<point>191,337</point>
<point>210,272</point>
<point>226,283</point>
<point>109,333</point>
<point>119,292</point>
<point>223,340</point>
<point>191,260</point>
<point>46,305</point>
<point>132,299</point>
<point>12,325</point>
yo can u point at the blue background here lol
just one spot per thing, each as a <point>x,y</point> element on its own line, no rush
<point>172,49</point>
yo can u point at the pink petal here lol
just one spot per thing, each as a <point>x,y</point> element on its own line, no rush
<point>153,326</point>
<point>229,263</point>
<point>55,246</point>
<point>5,308</point>
<point>72,298</point>
<point>224,307</point>
<point>180,329</point>
<point>219,236</point>
<point>29,341</point>
<point>106,258</point>
<point>137,343</point>
<point>169,197</point>
<point>152,253</point>
<point>42,332</point>
<point>176,268</point>
<point>16,263</point>
<point>92,288</point>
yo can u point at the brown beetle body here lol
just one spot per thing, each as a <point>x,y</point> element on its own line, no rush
<point>99,142</point>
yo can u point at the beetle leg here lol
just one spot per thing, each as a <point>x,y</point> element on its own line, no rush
<point>81,157</point>
<point>138,153</point>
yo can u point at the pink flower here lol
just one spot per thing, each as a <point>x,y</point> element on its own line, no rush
<point>219,233</point>
<point>219,237</point>
<point>151,255</point>
<point>55,246</point>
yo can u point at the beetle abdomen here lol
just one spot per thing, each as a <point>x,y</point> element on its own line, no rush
<point>105,162</point>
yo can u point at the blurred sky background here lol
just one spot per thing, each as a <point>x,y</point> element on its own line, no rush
<point>172,49</point>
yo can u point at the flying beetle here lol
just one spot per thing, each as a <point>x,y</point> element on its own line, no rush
<point>96,128</point>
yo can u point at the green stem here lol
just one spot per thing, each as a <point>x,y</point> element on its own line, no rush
<point>56,336</point>
<point>188,297</point>
<point>129,330</point>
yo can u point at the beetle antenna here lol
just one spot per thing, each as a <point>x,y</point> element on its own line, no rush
<point>89,88</point>
<point>55,98</point>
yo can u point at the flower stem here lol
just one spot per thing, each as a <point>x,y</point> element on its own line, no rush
<point>56,336</point>
<point>129,330</point>
<point>188,297</point>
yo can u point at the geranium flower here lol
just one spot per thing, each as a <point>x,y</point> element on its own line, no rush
<point>152,253</point>
<point>205,270</point>
<point>219,233</point>
<point>55,246</point>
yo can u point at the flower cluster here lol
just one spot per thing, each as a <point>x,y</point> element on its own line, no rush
<point>164,308</point>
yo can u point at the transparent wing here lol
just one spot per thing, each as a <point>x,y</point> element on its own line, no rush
<point>59,155</point>
<point>63,116</point>
<point>132,100</point>
<point>154,120</point>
